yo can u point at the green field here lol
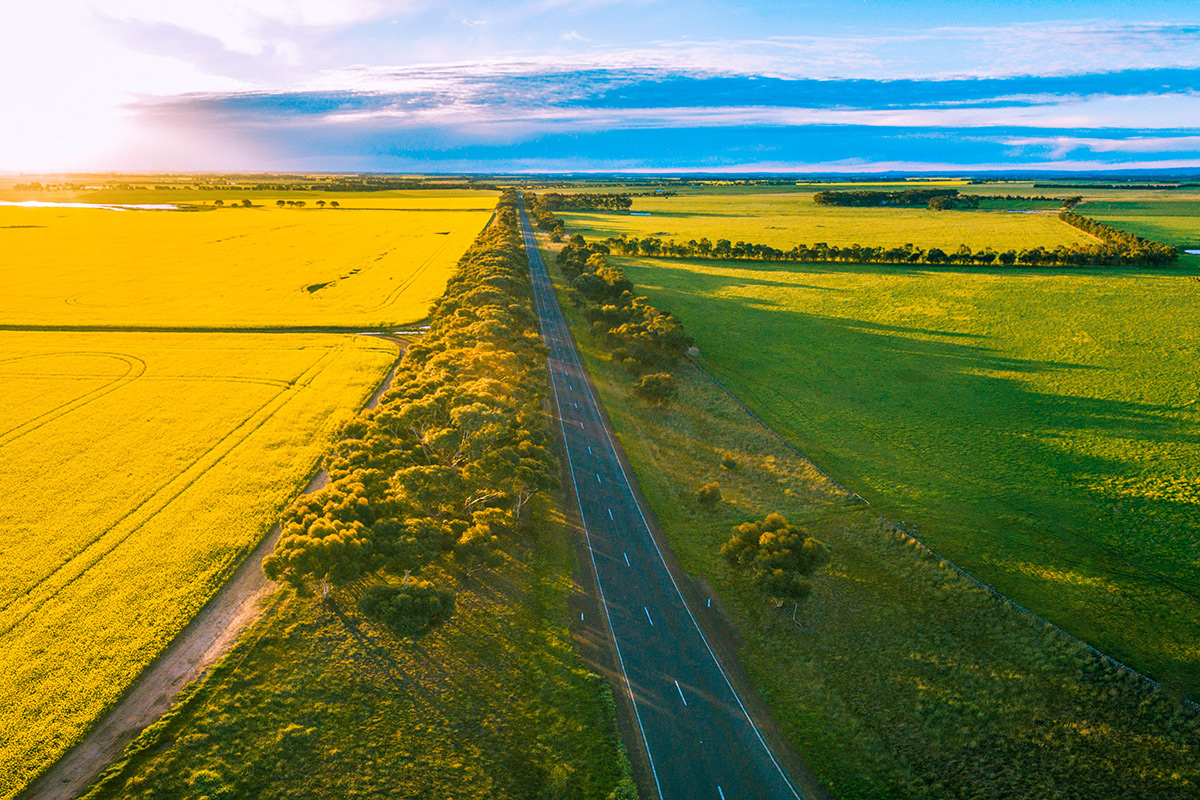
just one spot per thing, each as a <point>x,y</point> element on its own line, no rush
<point>1036,427</point>
<point>903,679</point>
<point>1170,221</point>
<point>784,219</point>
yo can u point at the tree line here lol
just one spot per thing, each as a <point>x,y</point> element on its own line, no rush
<point>585,201</point>
<point>934,199</point>
<point>1116,248</point>
<point>446,467</point>
<point>643,338</point>
<point>778,557</point>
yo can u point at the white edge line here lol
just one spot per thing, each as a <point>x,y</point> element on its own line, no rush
<point>657,549</point>
<point>703,638</point>
<point>592,556</point>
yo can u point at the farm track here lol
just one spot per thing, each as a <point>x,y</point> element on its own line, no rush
<point>136,369</point>
<point>209,635</point>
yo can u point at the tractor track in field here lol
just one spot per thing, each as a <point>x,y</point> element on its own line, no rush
<point>210,634</point>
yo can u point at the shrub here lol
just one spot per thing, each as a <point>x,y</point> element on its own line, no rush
<point>779,556</point>
<point>408,610</point>
<point>658,388</point>
<point>729,462</point>
<point>709,495</point>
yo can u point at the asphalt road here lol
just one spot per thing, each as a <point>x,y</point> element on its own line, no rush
<point>701,742</point>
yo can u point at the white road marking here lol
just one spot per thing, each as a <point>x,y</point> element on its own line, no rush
<point>610,516</point>
<point>597,477</point>
<point>681,697</point>
<point>652,625</point>
<point>709,604</point>
<point>720,792</point>
<point>626,558</point>
<point>589,451</point>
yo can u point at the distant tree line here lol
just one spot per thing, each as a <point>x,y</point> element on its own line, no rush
<point>935,199</point>
<point>1116,248</point>
<point>543,216</point>
<point>1116,185</point>
<point>1126,248</point>
<point>585,201</point>
<point>447,465</point>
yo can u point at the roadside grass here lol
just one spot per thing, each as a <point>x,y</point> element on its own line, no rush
<point>784,219</point>
<point>901,679</point>
<point>318,701</point>
<point>373,262</point>
<point>139,469</point>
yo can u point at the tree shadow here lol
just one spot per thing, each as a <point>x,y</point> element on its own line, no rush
<point>1040,491</point>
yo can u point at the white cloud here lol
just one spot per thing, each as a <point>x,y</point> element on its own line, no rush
<point>1059,146</point>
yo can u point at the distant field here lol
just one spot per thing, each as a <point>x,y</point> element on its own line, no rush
<point>138,469</point>
<point>1037,427</point>
<point>784,219</point>
<point>1168,220</point>
<point>374,261</point>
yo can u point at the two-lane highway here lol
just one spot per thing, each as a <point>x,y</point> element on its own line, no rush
<point>701,742</point>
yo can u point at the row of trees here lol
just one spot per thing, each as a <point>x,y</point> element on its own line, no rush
<point>906,198</point>
<point>779,557</point>
<point>934,199</point>
<point>1116,248</point>
<point>449,462</point>
<point>643,337</point>
<point>584,201</point>
<point>1134,248</point>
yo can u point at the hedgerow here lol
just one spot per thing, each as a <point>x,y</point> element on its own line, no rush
<point>447,464</point>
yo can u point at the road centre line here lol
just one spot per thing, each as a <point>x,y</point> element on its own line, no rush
<point>610,516</point>
<point>681,697</point>
<point>651,623</point>
<point>626,558</point>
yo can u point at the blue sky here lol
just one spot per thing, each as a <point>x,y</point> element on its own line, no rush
<point>600,85</point>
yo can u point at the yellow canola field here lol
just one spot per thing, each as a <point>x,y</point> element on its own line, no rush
<point>138,471</point>
<point>369,263</point>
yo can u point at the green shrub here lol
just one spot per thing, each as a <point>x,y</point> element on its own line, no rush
<point>408,610</point>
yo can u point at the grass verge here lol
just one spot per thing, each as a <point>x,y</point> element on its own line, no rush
<point>319,701</point>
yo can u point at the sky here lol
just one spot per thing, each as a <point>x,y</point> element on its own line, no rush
<point>658,86</point>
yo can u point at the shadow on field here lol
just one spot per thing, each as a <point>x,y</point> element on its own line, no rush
<point>1081,507</point>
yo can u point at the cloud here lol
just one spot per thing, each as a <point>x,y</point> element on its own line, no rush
<point>1059,146</point>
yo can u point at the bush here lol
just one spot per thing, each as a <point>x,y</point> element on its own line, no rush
<point>408,610</point>
<point>658,388</point>
<point>779,556</point>
<point>729,462</point>
<point>709,495</point>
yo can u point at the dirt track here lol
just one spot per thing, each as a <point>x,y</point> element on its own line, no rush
<point>194,650</point>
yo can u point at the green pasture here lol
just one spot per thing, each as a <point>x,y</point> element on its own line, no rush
<point>1038,428</point>
<point>784,219</point>
<point>1168,220</point>
<point>901,679</point>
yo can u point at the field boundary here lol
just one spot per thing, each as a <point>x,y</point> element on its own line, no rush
<point>903,534</point>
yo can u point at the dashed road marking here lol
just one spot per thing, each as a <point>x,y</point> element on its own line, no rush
<point>626,558</point>
<point>681,697</point>
<point>652,625</point>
